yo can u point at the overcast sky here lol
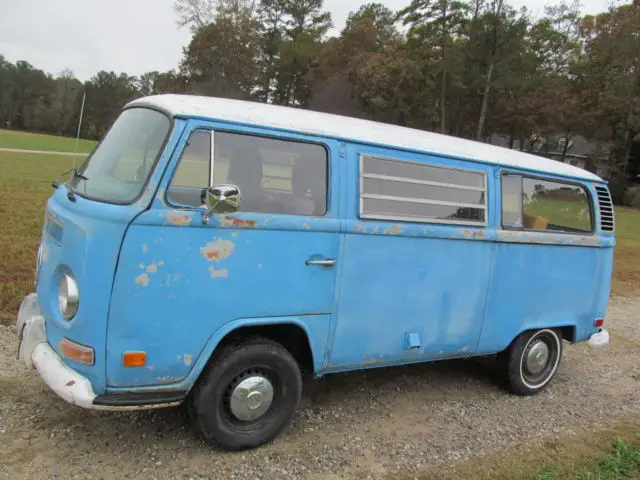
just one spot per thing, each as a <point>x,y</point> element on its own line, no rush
<point>133,36</point>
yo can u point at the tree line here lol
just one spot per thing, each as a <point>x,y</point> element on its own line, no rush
<point>465,68</point>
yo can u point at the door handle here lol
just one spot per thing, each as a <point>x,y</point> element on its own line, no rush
<point>322,263</point>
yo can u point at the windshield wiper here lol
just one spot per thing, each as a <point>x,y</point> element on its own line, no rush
<point>74,174</point>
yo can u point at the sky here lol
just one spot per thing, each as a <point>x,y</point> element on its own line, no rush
<point>132,36</point>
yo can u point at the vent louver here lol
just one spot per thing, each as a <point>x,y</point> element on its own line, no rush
<point>606,209</point>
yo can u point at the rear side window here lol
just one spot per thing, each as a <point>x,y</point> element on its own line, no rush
<point>537,204</point>
<point>414,192</point>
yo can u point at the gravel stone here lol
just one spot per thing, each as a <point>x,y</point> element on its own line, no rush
<point>372,424</point>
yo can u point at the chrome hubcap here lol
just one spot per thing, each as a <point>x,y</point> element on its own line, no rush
<point>251,398</point>
<point>537,358</point>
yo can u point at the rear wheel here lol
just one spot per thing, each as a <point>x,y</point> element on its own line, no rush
<point>532,360</point>
<point>247,395</point>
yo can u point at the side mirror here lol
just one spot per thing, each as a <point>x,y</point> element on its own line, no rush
<point>221,199</point>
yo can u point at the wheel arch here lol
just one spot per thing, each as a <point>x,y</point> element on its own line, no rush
<point>279,329</point>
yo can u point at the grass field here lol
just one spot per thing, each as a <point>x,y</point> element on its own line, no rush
<point>25,182</point>
<point>36,141</point>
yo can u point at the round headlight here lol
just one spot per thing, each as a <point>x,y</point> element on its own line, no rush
<point>68,296</point>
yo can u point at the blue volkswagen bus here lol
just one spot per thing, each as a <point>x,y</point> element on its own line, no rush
<point>210,252</point>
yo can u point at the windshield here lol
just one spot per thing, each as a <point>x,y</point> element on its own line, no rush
<point>117,170</point>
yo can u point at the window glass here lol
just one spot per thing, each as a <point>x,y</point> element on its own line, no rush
<point>555,206</point>
<point>398,190</point>
<point>512,201</point>
<point>545,205</point>
<point>118,169</point>
<point>274,175</point>
<point>192,175</point>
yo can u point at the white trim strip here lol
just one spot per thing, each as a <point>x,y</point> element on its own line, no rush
<point>422,182</point>
<point>400,218</point>
<point>213,157</point>
<point>422,201</point>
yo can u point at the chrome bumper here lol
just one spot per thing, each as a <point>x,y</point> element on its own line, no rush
<point>600,339</point>
<point>35,351</point>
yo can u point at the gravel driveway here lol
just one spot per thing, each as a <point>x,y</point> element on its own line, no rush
<point>360,425</point>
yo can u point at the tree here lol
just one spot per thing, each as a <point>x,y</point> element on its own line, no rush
<point>221,58</point>
<point>195,14</point>
<point>305,26</point>
<point>433,26</point>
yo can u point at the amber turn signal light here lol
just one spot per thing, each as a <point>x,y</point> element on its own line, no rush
<point>76,352</point>
<point>134,359</point>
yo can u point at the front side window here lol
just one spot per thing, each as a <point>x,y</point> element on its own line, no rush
<point>274,175</point>
<point>545,205</point>
<point>118,169</point>
<point>193,173</point>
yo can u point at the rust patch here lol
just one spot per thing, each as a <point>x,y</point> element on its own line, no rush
<point>218,250</point>
<point>356,228</point>
<point>222,273</point>
<point>478,234</point>
<point>396,229</point>
<point>70,383</point>
<point>143,280</point>
<point>178,219</point>
<point>232,222</point>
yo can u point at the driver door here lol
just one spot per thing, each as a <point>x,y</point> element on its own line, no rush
<point>180,279</point>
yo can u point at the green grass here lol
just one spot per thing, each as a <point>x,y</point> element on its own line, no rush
<point>37,141</point>
<point>622,463</point>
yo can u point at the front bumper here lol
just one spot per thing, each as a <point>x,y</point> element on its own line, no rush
<point>68,384</point>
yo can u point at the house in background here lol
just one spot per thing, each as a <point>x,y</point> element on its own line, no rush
<point>580,152</point>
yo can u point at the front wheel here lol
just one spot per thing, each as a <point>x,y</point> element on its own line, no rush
<point>532,360</point>
<point>247,396</point>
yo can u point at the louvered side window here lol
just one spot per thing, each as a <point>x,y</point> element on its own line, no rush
<point>605,204</point>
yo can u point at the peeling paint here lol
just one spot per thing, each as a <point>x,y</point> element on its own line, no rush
<point>218,250</point>
<point>233,222</point>
<point>306,226</point>
<point>222,273</point>
<point>259,265</point>
<point>143,280</point>
<point>145,248</point>
<point>179,219</point>
<point>548,238</point>
<point>188,360</point>
<point>153,268</point>
<point>142,266</point>
<point>45,252</point>
<point>234,234</point>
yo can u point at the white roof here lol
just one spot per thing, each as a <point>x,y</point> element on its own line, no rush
<point>364,131</point>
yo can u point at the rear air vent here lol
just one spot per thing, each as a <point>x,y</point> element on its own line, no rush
<point>606,209</point>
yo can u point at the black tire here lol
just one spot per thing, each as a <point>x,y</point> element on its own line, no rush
<point>520,380</point>
<point>209,402</point>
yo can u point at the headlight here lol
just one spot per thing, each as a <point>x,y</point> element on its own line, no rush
<point>68,296</point>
